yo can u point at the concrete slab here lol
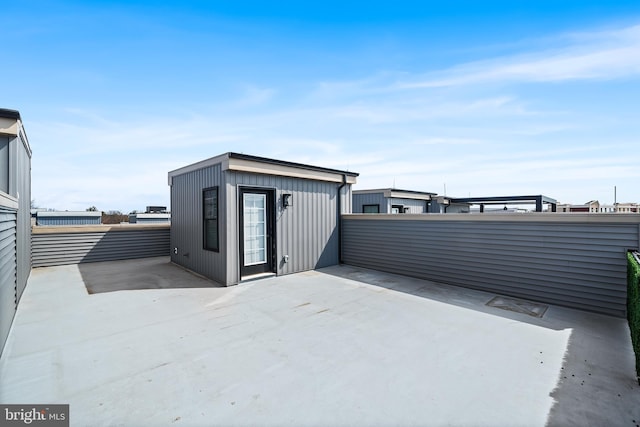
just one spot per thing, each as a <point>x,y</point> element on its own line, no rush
<point>336,347</point>
<point>145,273</point>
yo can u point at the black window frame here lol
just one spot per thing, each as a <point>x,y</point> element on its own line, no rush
<point>377,206</point>
<point>399,207</point>
<point>206,222</point>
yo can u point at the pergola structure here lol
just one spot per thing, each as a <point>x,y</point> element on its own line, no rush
<point>508,200</point>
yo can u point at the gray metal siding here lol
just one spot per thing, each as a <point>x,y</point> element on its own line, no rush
<point>359,200</point>
<point>306,231</point>
<point>77,246</point>
<point>8,272</point>
<point>4,164</point>
<point>575,264</point>
<point>153,221</point>
<point>414,206</point>
<point>23,186</point>
<point>187,223</point>
<point>68,220</point>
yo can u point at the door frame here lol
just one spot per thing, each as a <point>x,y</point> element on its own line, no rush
<point>270,210</point>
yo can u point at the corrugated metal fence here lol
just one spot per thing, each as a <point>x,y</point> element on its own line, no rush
<point>8,271</point>
<point>73,245</point>
<point>572,260</point>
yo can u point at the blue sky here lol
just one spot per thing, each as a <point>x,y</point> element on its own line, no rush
<point>489,98</point>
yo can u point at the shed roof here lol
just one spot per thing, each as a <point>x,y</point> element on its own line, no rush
<point>397,193</point>
<point>499,200</point>
<point>68,214</point>
<point>9,114</point>
<point>263,165</point>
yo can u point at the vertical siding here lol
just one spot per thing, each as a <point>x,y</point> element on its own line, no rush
<point>67,220</point>
<point>23,224</point>
<point>4,162</point>
<point>415,206</point>
<point>574,262</point>
<point>306,231</point>
<point>187,223</point>
<point>359,200</point>
<point>8,272</point>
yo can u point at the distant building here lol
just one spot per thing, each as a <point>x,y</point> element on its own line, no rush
<point>156,209</point>
<point>444,204</point>
<point>391,201</point>
<point>68,218</point>
<point>594,206</point>
<point>153,215</point>
<point>150,218</point>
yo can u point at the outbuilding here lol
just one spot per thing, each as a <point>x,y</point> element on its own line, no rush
<point>236,217</point>
<point>391,201</point>
<point>150,218</point>
<point>68,218</point>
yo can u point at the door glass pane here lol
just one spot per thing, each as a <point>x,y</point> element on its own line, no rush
<point>255,228</point>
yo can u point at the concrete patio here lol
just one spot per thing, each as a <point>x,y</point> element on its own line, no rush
<point>341,346</point>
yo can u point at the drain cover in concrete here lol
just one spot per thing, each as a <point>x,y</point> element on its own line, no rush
<point>519,306</point>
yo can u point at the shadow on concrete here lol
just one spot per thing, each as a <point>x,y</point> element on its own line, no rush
<point>143,273</point>
<point>596,384</point>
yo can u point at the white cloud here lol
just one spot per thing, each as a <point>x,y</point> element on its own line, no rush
<point>599,55</point>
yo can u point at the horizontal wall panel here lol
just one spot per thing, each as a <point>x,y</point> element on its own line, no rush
<point>579,264</point>
<point>8,271</point>
<point>76,247</point>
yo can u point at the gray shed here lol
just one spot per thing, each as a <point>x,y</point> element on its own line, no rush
<point>150,218</point>
<point>15,216</point>
<point>67,218</point>
<point>391,200</point>
<point>237,216</point>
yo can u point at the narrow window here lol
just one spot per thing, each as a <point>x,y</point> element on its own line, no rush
<point>4,164</point>
<point>371,209</point>
<point>210,218</point>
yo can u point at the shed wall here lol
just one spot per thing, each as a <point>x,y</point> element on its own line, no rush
<point>359,200</point>
<point>187,223</point>
<point>15,225</point>
<point>8,271</point>
<point>414,206</point>
<point>22,165</point>
<point>576,263</point>
<point>67,220</point>
<point>307,231</point>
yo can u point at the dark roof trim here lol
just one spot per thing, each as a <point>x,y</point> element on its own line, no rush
<point>372,190</point>
<point>285,163</point>
<point>503,199</point>
<point>10,114</point>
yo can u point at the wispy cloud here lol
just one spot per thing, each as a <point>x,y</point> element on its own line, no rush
<point>598,55</point>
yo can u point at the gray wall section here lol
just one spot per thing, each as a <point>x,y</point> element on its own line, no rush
<point>359,200</point>
<point>307,231</point>
<point>73,246</point>
<point>187,225</point>
<point>415,206</point>
<point>68,220</point>
<point>22,167</point>
<point>15,227</point>
<point>4,164</point>
<point>8,272</point>
<point>574,262</point>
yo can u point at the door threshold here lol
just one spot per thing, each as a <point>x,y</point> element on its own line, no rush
<point>258,276</point>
